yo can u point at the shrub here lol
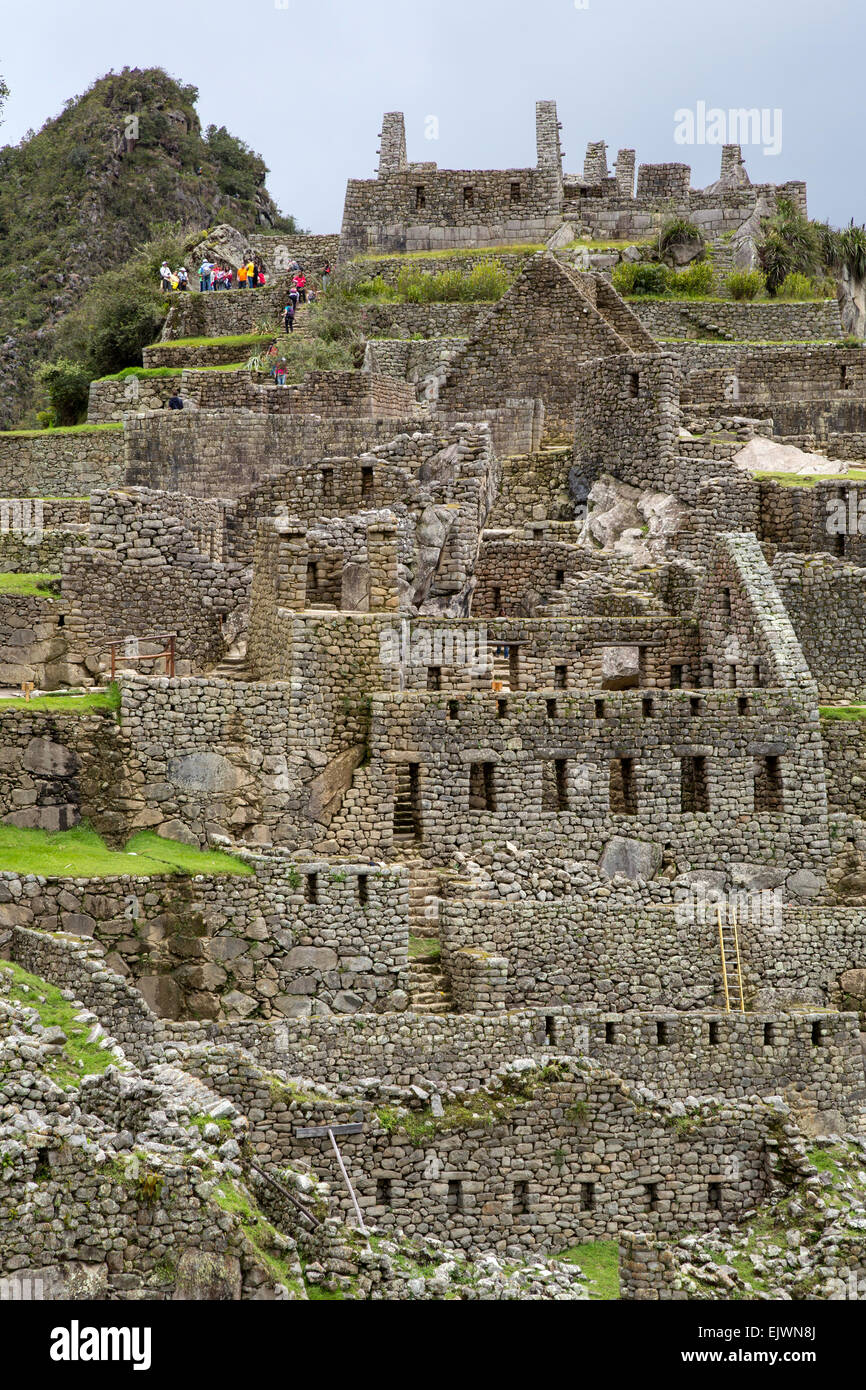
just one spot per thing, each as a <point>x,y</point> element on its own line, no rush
<point>745,284</point>
<point>488,280</point>
<point>797,286</point>
<point>679,231</point>
<point>696,280</point>
<point>640,278</point>
<point>66,385</point>
<point>790,243</point>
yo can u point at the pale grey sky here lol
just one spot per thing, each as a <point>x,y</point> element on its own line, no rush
<point>306,85</point>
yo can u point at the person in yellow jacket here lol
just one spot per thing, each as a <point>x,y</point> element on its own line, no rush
<point>242,277</point>
<point>251,274</point>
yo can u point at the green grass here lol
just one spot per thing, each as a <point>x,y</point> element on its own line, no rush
<point>78,1058</point>
<point>810,479</point>
<point>230,340</point>
<point>842,711</point>
<point>258,1230</point>
<point>599,1261</point>
<point>85,703</point>
<point>81,853</point>
<point>30,585</point>
<point>426,946</point>
<point>60,429</point>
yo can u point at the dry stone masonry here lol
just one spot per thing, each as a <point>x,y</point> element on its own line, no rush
<point>521,669</point>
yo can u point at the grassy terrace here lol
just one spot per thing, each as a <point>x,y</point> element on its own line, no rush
<point>60,429</point>
<point>230,340</point>
<point>81,853</point>
<point>842,711</point>
<point>856,475</point>
<point>31,585</point>
<point>78,1057</point>
<point>87,702</point>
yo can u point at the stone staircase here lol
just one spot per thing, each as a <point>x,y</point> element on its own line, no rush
<point>405,822</point>
<point>427,989</point>
<point>233,668</point>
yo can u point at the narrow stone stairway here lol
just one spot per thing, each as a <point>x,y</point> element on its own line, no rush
<point>427,991</point>
<point>233,668</point>
<point>405,805</point>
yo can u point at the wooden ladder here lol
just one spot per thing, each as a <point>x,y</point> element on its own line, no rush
<point>729,945</point>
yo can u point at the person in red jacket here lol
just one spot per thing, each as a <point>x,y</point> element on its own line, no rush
<point>300,284</point>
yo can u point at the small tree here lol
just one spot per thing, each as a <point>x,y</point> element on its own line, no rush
<point>66,385</point>
<point>845,255</point>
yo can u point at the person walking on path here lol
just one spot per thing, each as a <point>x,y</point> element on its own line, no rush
<point>242,277</point>
<point>289,317</point>
<point>204,274</point>
<point>165,276</point>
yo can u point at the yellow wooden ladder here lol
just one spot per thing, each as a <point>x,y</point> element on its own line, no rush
<point>729,945</point>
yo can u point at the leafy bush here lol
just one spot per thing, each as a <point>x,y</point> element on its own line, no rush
<point>790,243</point>
<point>693,282</point>
<point>745,284</point>
<point>66,385</point>
<point>488,280</point>
<point>797,286</point>
<point>377,288</point>
<point>679,231</point>
<point>640,278</point>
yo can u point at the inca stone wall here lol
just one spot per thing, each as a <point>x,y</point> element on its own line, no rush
<point>55,464</point>
<point>111,400</point>
<point>144,575</point>
<point>760,322</point>
<point>825,599</point>
<point>238,946</point>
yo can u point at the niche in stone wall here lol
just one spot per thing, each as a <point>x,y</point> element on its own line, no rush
<point>482,787</point>
<point>769,790</point>
<point>622,787</point>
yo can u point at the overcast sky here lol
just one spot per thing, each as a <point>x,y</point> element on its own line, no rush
<point>306,84</point>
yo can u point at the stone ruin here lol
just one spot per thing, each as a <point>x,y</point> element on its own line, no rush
<point>509,671</point>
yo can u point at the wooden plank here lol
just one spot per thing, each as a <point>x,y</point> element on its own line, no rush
<point>317,1131</point>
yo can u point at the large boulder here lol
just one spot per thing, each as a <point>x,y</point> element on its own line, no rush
<point>630,858</point>
<point>224,245</point>
<point>205,1276</point>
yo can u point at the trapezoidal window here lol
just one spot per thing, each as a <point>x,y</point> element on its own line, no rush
<point>520,1198</point>
<point>420,197</point>
<point>694,791</point>
<point>311,888</point>
<point>366,480</point>
<point>327,484</point>
<point>407,802</point>
<point>560,677</point>
<point>514,192</point>
<point>482,789</point>
<point>676,676</point>
<point>634,385</point>
<point>768,784</point>
<point>587,1196</point>
<point>454,1199</point>
<point>622,788</point>
<point>383,1192</point>
<point>469,196</point>
<point>434,677</point>
<point>554,785</point>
